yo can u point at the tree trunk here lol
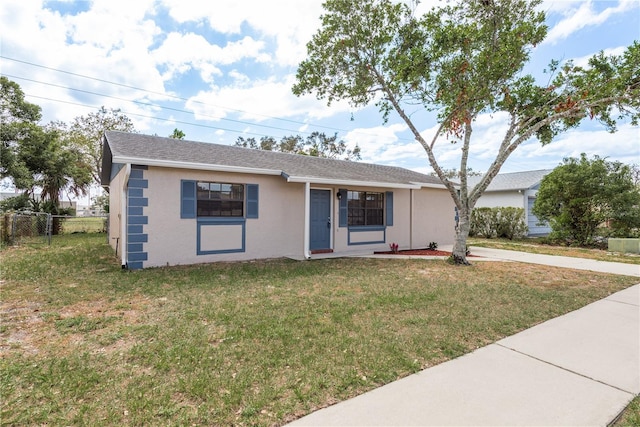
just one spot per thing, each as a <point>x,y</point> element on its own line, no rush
<point>459,254</point>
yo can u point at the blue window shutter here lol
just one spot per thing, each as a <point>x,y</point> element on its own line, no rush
<point>344,208</point>
<point>389,208</point>
<point>252,200</point>
<point>188,199</point>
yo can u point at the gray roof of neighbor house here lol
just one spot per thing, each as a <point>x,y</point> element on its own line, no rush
<point>513,180</point>
<point>123,148</point>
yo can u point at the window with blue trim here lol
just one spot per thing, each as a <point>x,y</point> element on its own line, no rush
<point>203,199</point>
<point>216,199</point>
<point>365,208</point>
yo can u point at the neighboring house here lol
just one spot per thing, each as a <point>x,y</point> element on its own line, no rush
<point>517,189</point>
<point>8,194</point>
<point>182,202</point>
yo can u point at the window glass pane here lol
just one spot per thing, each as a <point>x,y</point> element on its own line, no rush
<point>365,208</point>
<point>220,199</point>
<point>237,192</point>
<point>203,190</point>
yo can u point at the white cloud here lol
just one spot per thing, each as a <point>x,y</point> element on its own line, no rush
<point>382,144</point>
<point>621,145</point>
<point>581,14</point>
<point>583,61</point>
<point>259,100</point>
<point>182,52</point>
<point>104,43</point>
<point>290,22</point>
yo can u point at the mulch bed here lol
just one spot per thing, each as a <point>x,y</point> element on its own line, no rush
<point>427,252</point>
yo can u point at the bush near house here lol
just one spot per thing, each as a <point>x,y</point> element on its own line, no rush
<point>499,222</point>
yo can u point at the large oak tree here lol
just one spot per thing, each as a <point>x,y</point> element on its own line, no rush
<point>462,60</point>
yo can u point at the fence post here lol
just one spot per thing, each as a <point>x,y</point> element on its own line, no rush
<point>49,227</point>
<point>14,226</point>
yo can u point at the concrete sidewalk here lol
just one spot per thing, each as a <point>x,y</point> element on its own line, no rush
<point>578,369</point>
<point>557,261</point>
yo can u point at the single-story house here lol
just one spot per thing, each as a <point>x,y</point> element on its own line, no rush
<point>183,202</point>
<point>517,189</point>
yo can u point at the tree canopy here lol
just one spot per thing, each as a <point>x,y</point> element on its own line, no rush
<point>582,195</point>
<point>35,156</point>
<point>317,144</point>
<point>459,61</point>
<point>177,134</point>
<point>85,133</point>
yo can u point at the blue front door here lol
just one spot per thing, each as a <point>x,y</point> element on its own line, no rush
<point>320,233</point>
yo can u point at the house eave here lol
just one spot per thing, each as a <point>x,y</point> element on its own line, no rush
<point>194,166</point>
<point>430,185</point>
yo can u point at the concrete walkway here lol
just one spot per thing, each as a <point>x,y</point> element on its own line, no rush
<point>558,261</point>
<point>580,369</point>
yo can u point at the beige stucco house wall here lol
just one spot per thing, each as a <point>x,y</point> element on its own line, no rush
<point>154,219</point>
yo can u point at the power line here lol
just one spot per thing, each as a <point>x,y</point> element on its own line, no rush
<point>167,95</point>
<point>149,117</point>
<point>148,104</point>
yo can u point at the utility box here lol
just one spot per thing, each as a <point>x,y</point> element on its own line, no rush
<point>630,246</point>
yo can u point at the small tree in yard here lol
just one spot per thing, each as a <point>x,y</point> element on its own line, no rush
<point>581,195</point>
<point>462,60</point>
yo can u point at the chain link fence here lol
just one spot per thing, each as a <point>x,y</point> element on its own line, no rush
<point>39,228</point>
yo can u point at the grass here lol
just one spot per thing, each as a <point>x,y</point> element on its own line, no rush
<point>85,224</point>
<point>533,246</point>
<point>631,416</point>
<point>251,343</point>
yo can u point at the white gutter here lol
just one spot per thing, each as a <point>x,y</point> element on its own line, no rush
<point>198,166</point>
<point>307,220</point>
<point>328,181</point>
<point>428,185</point>
<point>123,215</point>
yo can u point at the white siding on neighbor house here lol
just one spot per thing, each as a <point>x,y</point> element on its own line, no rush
<point>518,199</point>
<point>535,229</point>
<point>501,198</point>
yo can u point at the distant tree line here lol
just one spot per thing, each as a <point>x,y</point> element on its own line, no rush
<point>317,144</point>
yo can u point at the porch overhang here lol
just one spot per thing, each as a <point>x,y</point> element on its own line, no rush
<point>355,183</point>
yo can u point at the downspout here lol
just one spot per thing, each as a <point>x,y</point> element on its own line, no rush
<point>123,215</point>
<point>307,220</point>
<point>411,219</point>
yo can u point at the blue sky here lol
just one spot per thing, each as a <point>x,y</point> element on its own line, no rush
<point>222,69</point>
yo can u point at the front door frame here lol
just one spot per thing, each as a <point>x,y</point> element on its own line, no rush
<point>330,217</point>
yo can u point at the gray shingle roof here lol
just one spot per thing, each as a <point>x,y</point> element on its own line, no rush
<point>513,181</point>
<point>123,147</point>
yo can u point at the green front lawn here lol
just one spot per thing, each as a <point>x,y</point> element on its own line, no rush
<point>248,343</point>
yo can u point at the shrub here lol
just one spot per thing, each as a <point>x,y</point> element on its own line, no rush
<point>499,222</point>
